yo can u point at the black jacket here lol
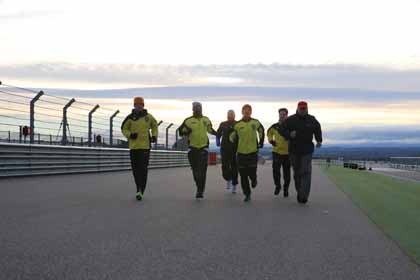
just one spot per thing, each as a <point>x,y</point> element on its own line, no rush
<point>306,128</point>
<point>224,130</point>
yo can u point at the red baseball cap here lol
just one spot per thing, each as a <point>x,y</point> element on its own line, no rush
<point>302,105</point>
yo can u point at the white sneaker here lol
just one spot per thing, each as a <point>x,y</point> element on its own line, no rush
<point>233,189</point>
<point>228,185</point>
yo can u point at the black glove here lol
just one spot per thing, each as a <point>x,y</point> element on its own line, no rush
<point>261,145</point>
<point>273,142</point>
<point>133,136</point>
<point>153,139</point>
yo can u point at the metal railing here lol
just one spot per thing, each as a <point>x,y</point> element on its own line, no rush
<point>405,163</point>
<point>53,119</point>
<point>30,160</point>
<point>402,163</point>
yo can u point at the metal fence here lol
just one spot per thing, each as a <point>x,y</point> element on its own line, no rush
<point>402,163</point>
<point>405,163</point>
<point>58,120</point>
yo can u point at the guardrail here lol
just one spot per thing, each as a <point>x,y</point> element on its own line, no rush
<point>30,160</point>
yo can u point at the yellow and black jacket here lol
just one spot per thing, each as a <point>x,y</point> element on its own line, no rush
<point>141,123</point>
<point>245,136</point>
<point>282,145</point>
<point>196,129</point>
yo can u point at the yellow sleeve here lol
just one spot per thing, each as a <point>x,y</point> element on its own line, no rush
<point>183,129</point>
<point>270,134</point>
<point>153,126</point>
<point>126,128</point>
<point>209,126</point>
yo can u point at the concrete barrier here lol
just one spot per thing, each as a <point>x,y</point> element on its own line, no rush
<point>30,160</point>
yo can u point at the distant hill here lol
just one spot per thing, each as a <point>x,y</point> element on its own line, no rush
<point>357,152</point>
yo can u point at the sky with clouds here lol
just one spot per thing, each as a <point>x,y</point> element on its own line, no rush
<point>361,57</point>
<point>103,44</point>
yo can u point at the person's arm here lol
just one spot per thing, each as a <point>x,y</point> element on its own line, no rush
<point>270,136</point>
<point>318,133</point>
<point>219,135</point>
<point>210,129</point>
<point>261,134</point>
<point>284,130</point>
<point>233,136</point>
<point>126,128</point>
<point>220,130</point>
<point>154,128</point>
<point>184,130</point>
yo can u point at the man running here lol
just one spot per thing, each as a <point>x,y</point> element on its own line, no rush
<point>136,128</point>
<point>300,129</point>
<point>228,152</point>
<point>280,154</point>
<point>244,135</point>
<point>196,128</point>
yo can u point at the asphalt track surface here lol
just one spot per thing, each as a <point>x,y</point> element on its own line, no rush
<point>90,227</point>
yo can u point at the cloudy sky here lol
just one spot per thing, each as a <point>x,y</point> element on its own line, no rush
<point>212,32</point>
<point>357,62</point>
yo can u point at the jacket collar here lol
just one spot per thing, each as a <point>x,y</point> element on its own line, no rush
<point>135,115</point>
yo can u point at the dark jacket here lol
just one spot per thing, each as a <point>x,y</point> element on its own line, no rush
<point>306,128</point>
<point>223,132</point>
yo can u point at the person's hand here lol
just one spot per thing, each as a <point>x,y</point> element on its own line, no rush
<point>261,145</point>
<point>273,143</point>
<point>318,144</point>
<point>293,134</point>
<point>153,139</point>
<point>217,141</point>
<point>133,136</point>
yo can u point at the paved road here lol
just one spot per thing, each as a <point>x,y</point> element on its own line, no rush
<point>90,227</point>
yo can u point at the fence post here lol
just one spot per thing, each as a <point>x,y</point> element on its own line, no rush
<point>90,123</point>
<point>167,136</point>
<point>65,123</point>
<point>176,137</point>
<point>32,116</point>
<point>157,138</point>
<point>111,127</point>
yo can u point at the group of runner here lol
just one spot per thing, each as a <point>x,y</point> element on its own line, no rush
<point>239,141</point>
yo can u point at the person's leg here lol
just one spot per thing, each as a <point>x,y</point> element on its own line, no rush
<point>252,173</point>
<point>296,161</point>
<point>225,165</point>
<point>276,173</point>
<point>192,158</point>
<point>203,163</point>
<point>285,162</point>
<point>234,166</point>
<point>144,163</point>
<point>306,176</point>
<point>134,157</point>
<point>135,167</point>
<point>245,182</point>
